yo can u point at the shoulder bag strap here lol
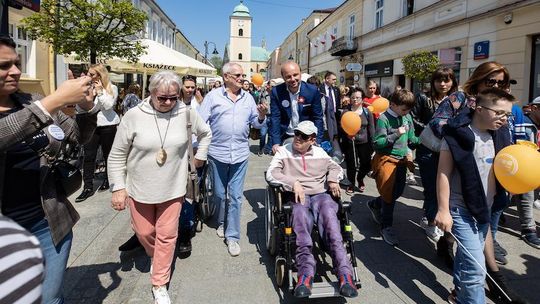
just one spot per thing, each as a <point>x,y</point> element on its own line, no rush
<point>192,170</point>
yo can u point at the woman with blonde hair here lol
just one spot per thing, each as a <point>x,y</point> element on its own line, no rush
<point>148,170</point>
<point>107,120</point>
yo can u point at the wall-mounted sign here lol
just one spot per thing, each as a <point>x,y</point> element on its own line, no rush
<point>380,69</point>
<point>353,67</point>
<point>481,50</point>
<point>31,4</point>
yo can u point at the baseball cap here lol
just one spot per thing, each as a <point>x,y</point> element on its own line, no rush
<point>307,127</point>
<point>536,101</point>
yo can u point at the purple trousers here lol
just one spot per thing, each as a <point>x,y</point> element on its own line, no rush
<point>322,210</point>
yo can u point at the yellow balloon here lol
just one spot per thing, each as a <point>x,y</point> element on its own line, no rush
<point>351,123</point>
<point>370,108</point>
<point>380,105</point>
<point>517,168</point>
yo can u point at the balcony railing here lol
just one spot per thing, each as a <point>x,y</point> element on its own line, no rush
<point>343,46</point>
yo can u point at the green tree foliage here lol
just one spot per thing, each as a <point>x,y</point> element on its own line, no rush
<point>420,65</point>
<point>89,28</point>
<point>217,62</point>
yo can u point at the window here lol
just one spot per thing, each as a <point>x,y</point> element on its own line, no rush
<point>352,19</point>
<point>24,45</point>
<point>407,7</point>
<point>240,32</point>
<point>379,13</point>
<point>239,56</point>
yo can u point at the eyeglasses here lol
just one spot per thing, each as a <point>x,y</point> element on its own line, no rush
<point>500,113</point>
<point>492,82</point>
<point>165,98</point>
<point>301,135</point>
<point>238,75</point>
<point>189,77</point>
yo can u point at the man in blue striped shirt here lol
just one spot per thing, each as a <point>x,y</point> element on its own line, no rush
<point>230,111</point>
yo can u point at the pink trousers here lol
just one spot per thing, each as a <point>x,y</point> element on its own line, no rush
<point>156,226</point>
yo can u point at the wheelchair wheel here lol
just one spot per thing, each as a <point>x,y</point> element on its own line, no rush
<point>270,231</point>
<point>280,272</point>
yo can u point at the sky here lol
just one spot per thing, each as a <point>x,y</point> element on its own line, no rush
<point>208,20</point>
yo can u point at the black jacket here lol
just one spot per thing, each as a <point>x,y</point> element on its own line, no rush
<point>460,139</point>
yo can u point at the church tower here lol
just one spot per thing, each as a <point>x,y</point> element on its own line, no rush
<point>240,38</point>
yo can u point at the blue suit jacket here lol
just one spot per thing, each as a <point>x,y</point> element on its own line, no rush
<point>280,116</point>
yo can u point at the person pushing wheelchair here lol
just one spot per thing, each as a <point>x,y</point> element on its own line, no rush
<point>305,169</point>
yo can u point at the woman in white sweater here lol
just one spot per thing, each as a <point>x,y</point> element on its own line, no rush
<point>107,120</point>
<point>148,170</point>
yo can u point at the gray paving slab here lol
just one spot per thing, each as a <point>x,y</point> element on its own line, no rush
<point>410,273</point>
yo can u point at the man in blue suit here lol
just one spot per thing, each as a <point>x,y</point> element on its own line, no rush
<point>292,102</point>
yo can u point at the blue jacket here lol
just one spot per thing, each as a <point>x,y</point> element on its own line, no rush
<point>460,139</point>
<point>280,116</point>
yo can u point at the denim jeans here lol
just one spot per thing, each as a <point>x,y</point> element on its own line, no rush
<point>387,208</point>
<point>469,277</point>
<point>501,202</point>
<point>525,210</point>
<point>428,162</point>
<point>56,258</point>
<point>229,186</point>
<point>264,132</point>
<point>321,209</point>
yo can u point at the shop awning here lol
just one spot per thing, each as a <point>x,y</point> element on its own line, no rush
<point>157,58</point>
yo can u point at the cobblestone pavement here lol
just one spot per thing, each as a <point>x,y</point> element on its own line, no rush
<point>410,273</point>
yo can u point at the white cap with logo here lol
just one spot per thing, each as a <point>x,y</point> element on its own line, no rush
<point>307,127</point>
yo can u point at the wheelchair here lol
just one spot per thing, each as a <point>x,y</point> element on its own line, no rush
<point>281,244</point>
<point>204,206</point>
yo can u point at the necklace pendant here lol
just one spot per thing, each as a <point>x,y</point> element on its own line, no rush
<point>161,157</point>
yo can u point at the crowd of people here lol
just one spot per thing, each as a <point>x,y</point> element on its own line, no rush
<point>149,146</point>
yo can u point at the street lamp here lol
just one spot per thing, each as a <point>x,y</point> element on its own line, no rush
<point>214,52</point>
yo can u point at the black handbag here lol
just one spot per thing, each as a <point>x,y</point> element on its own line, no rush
<point>67,176</point>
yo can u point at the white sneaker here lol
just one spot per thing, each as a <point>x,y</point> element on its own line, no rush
<point>234,248</point>
<point>434,233</point>
<point>411,180</point>
<point>536,204</point>
<point>220,232</point>
<point>161,296</point>
<point>424,223</point>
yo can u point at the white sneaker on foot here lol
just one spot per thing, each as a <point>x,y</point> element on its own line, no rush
<point>411,180</point>
<point>536,204</point>
<point>434,233</point>
<point>234,248</point>
<point>220,232</point>
<point>161,296</point>
<point>424,223</point>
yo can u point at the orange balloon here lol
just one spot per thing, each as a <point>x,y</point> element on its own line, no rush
<point>370,108</point>
<point>516,168</point>
<point>351,123</point>
<point>257,79</point>
<point>380,105</point>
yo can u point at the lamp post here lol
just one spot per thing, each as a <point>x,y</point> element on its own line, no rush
<point>214,52</point>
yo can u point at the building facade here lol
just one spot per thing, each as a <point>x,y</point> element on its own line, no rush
<point>370,37</point>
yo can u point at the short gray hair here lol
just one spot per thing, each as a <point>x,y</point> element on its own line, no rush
<point>164,78</point>
<point>227,67</point>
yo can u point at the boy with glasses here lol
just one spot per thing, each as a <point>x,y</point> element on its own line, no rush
<point>311,177</point>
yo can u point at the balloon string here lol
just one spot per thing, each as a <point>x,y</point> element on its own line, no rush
<point>481,267</point>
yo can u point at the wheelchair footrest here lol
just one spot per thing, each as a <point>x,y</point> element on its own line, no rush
<point>325,289</point>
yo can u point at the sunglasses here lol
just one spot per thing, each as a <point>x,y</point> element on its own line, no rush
<point>165,98</point>
<point>492,82</point>
<point>238,75</point>
<point>6,65</point>
<point>301,135</point>
<point>500,113</point>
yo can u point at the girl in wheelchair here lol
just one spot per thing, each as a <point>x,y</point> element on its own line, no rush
<point>309,172</point>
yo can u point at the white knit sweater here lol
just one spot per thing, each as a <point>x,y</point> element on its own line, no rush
<point>132,162</point>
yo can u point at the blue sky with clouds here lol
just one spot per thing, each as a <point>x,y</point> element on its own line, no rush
<point>208,20</point>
